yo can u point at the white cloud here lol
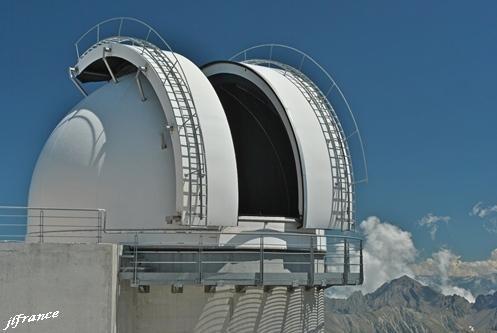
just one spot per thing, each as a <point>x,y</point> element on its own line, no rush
<point>491,225</point>
<point>449,290</point>
<point>431,222</point>
<point>443,260</point>
<point>389,253</point>
<point>447,263</point>
<point>482,211</point>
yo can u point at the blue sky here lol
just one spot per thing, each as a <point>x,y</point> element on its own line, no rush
<point>421,78</point>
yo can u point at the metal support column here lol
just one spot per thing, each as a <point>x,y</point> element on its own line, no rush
<point>346,262</point>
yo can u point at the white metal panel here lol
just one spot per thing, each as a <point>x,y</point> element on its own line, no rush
<point>311,154</point>
<point>107,153</point>
<point>222,202</point>
<point>236,69</point>
<point>313,149</point>
<point>222,179</point>
<point>133,55</point>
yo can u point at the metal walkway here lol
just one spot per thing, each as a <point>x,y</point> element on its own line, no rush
<point>197,256</point>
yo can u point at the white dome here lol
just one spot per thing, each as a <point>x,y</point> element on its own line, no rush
<point>108,152</point>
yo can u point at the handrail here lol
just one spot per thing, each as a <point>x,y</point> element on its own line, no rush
<point>174,75</point>
<point>122,21</point>
<point>324,259</point>
<point>332,86</point>
<point>338,152</point>
<point>103,227</point>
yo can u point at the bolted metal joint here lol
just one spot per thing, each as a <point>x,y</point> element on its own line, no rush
<point>240,289</point>
<point>210,289</point>
<point>177,288</point>
<point>143,289</point>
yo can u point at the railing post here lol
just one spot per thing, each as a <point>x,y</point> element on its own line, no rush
<point>120,27</point>
<point>104,229</point>
<point>200,260</point>
<point>346,262</point>
<point>99,227</point>
<point>261,259</point>
<point>311,262</point>
<point>135,264</point>
<point>361,268</point>
<point>41,225</point>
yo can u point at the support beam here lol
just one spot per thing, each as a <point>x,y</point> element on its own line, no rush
<point>139,83</point>
<point>72,75</point>
<point>104,58</point>
<point>177,288</point>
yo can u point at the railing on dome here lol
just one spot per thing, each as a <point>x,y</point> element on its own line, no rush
<point>168,68</point>
<point>343,205</point>
<point>157,256</point>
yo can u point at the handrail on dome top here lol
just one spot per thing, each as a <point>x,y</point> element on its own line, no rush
<point>187,114</point>
<point>242,56</point>
<point>122,21</point>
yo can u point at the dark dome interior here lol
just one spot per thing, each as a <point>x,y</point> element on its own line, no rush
<point>267,174</point>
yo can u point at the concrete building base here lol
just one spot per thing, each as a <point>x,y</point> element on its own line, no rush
<point>77,280</point>
<point>227,309</point>
<point>80,281</point>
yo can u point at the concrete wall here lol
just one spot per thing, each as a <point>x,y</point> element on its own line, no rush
<point>225,310</point>
<point>81,282</point>
<point>78,280</point>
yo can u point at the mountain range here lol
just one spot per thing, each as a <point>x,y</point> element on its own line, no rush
<point>406,305</point>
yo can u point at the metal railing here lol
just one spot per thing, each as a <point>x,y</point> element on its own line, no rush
<point>35,224</point>
<point>299,260</point>
<point>194,255</point>
<point>343,205</point>
<point>319,88</point>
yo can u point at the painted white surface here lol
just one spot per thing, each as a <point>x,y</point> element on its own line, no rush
<point>222,178</point>
<point>235,69</point>
<point>312,150</point>
<point>107,153</point>
<point>314,154</point>
<point>222,201</point>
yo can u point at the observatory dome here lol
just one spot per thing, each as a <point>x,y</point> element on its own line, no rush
<point>215,184</point>
<point>165,144</point>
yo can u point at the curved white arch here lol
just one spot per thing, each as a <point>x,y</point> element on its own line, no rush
<point>311,151</point>
<point>221,177</point>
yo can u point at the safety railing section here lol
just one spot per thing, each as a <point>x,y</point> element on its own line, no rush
<point>343,205</point>
<point>33,224</point>
<point>301,260</point>
<point>197,256</point>
<point>166,65</point>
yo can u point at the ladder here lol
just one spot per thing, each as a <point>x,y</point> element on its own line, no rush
<point>343,204</point>
<point>194,180</point>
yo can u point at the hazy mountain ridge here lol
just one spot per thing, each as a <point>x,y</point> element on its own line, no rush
<point>405,305</point>
<point>477,285</point>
